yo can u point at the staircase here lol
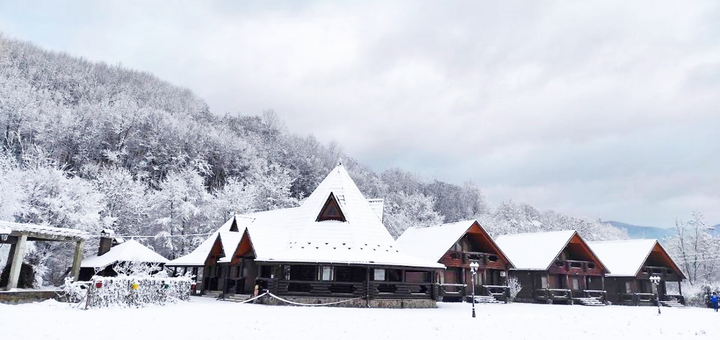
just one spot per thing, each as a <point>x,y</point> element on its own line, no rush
<point>589,301</point>
<point>212,294</point>
<point>237,297</point>
<point>486,299</point>
<point>671,303</point>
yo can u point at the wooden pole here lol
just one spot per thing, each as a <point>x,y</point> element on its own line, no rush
<point>17,261</point>
<point>77,259</point>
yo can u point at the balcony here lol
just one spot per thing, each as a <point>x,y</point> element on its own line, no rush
<point>575,267</point>
<point>550,295</point>
<point>664,273</point>
<point>464,258</point>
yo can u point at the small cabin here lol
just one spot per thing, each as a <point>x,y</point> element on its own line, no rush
<point>457,245</point>
<point>112,253</point>
<point>631,264</point>
<point>555,267</point>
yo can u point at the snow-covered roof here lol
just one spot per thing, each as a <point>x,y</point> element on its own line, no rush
<point>130,251</point>
<point>198,256</point>
<point>229,241</point>
<point>625,257</point>
<point>295,235</point>
<point>433,242</point>
<point>40,230</point>
<point>534,251</point>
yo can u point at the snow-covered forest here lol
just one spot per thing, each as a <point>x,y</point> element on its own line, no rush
<point>91,146</point>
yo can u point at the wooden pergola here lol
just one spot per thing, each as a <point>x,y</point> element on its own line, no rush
<point>18,234</point>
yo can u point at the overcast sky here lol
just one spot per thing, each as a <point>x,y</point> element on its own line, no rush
<point>607,110</point>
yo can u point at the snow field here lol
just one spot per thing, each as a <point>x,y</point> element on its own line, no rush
<point>204,318</point>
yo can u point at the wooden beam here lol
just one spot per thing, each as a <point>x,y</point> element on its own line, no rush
<point>77,259</point>
<point>17,262</point>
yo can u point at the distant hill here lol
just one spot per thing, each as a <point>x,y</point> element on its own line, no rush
<point>636,231</point>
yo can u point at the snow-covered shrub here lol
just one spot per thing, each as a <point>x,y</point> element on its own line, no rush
<point>698,294</point>
<point>514,287</point>
<point>74,291</point>
<point>137,291</point>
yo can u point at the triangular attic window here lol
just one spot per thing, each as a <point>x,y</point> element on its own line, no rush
<point>331,211</point>
<point>234,226</point>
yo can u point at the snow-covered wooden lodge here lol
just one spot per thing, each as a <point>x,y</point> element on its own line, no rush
<point>555,267</point>
<point>631,264</point>
<point>332,247</point>
<point>457,245</point>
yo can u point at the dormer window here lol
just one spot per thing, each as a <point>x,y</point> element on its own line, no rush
<point>331,211</point>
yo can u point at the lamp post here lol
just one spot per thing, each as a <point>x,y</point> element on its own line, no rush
<point>655,281</point>
<point>473,269</point>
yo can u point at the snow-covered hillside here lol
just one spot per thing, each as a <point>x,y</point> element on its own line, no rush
<point>204,317</point>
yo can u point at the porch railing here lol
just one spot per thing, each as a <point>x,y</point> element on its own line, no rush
<point>550,294</point>
<point>372,289</point>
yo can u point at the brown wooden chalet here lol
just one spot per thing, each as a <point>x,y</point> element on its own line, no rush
<point>631,264</point>
<point>555,267</point>
<point>333,247</point>
<point>456,245</point>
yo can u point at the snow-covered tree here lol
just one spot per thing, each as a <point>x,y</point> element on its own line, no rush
<point>695,250</point>
<point>179,208</point>
<point>403,211</point>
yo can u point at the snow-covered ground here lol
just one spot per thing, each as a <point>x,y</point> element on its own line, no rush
<point>205,318</point>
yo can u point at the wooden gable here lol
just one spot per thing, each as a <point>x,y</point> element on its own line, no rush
<point>244,249</point>
<point>660,258</point>
<point>331,211</point>
<point>234,226</point>
<point>475,239</point>
<point>577,249</point>
<point>216,252</point>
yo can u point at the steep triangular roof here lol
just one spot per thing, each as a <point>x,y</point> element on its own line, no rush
<point>129,251</point>
<point>537,251</point>
<point>432,243</point>
<point>198,256</point>
<point>296,235</point>
<point>626,257</point>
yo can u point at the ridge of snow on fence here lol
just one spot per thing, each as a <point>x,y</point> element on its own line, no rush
<point>131,291</point>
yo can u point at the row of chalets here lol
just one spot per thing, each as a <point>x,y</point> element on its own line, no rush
<point>334,247</point>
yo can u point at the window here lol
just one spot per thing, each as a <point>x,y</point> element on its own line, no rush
<point>575,283</point>
<point>379,274</point>
<point>286,269</point>
<point>543,282</point>
<point>326,273</point>
<point>331,211</point>
<point>628,287</point>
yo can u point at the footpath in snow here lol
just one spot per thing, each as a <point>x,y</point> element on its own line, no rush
<point>204,318</point>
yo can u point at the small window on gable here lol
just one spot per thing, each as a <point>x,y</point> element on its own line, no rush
<point>331,211</point>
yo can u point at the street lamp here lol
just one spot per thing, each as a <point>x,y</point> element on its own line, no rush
<point>655,281</point>
<point>473,268</point>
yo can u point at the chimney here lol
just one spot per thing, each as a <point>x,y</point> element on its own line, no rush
<point>106,241</point>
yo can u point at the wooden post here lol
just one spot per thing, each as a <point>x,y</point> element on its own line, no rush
<point>77,259</point>
<point>17,262</point>
<point>680,286</point>
<point>367,287</point>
